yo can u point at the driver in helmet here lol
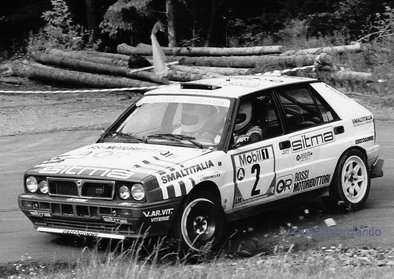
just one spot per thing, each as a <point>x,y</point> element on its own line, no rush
<point>245,131</point>
<point>196,121</point>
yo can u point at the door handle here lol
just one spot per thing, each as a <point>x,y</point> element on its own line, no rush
<point>284,145</point>
<point>339,130</point>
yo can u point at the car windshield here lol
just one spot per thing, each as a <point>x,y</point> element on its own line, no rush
<point>174,120</point>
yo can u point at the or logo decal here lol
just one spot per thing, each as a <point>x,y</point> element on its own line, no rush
<point>284,185</point>
<point>114,220</point>
<point>40,213</point>
<point>158,212</point>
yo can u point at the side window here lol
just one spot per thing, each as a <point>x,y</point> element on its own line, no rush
<point>257,119</point>
<point>301,109</point>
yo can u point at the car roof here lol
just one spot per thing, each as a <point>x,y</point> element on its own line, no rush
<point>230,86</point>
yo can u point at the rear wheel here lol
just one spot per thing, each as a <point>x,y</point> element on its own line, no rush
<point>201,224</point>
<point>351,182</point>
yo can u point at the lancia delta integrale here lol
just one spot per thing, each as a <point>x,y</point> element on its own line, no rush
<point>186,159</point>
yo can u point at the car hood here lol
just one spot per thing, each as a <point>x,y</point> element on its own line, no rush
<point>125,161</point>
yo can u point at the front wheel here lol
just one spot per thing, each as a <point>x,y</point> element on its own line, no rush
<point>201,224</point>
<point>351,182</point>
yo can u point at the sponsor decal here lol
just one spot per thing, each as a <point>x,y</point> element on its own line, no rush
<point>311,139</point>
<point>40,213</point>
<point>114,220</point>
<point>362,120</point>
<point>126,204</point>
<point>90,171</point>
<point>76,200</point>
<point>211,176</point>
<point>80,233</point>
<point>304,156</point>
<point>186,171</point>
<point>362,140</point>
<point>253,156</point>
<point>158,212</point>
<point>159,215</point>
<point>284,185</point>
<point>303,182</point>
<point>160,219</point>
<point>161,152</point>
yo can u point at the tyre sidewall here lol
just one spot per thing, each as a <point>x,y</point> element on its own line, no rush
<point>336,189</point>
<point>220,226</point>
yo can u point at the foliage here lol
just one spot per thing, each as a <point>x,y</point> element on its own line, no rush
<point>59,31</point>
<point>126,17</point>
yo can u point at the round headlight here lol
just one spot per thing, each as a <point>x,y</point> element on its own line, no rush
<point>31,184</point>
<point>137,191</point>
<point>124,192</point>
<point>43,186</point>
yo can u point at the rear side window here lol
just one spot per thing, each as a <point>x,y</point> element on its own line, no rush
<point>302,109</point>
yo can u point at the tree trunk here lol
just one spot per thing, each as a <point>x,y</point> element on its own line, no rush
<point>219,71</point>
<point>92,67</point>
<point>330,50</point>
<point>343,76</point>
<point>55,75</point>
<point>171,23</point>
<point>181,76</point>
<point>250,61</point>
<point>91,19</point>
<point>211,23</point>
<point>195,70</point>
<point>143,49</point>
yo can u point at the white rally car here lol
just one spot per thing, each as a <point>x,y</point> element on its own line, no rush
<point>186,159</point>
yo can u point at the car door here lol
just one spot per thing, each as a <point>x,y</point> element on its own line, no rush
<point>310,125</point>
<point>262,171</point>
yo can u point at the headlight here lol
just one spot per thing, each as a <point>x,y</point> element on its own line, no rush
<point>124,192</point>
<point>137,191</point>
<point>31,184</point>
<point>43,186</point>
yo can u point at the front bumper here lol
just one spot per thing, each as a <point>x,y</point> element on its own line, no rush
<point>102,219</point>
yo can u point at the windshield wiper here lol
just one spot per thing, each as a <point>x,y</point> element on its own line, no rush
<point>177,137</point>
<point>128,136</point>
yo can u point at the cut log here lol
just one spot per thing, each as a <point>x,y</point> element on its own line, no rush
<point>143,49</point>
<point>180,76</point>
<point>250,61</point>
<point>92,57</point>
<point>344,76</point>
<point>330,50</point>
<point>41,72</point>
<point>213,70</point>
<point>87,66</point>
<point>195,70</point>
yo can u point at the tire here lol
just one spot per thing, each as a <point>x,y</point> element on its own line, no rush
<point>200,226</point>
<point>351,181</point>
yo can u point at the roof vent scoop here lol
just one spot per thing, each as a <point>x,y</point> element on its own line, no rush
<point>189,85</point>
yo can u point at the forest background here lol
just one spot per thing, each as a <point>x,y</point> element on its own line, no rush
<point>220,23</point>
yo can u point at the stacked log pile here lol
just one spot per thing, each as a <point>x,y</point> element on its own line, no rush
<point>113,70</point>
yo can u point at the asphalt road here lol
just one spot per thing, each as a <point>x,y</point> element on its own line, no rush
<point>59,131</point>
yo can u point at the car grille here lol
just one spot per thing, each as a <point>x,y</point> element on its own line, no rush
<point>81,188</point>
<point>89,225</point>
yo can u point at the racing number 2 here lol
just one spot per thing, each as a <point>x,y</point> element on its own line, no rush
<point>256,169</point>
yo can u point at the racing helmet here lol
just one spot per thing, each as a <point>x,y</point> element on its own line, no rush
<point>193,117</point>
<point>244,115</point>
